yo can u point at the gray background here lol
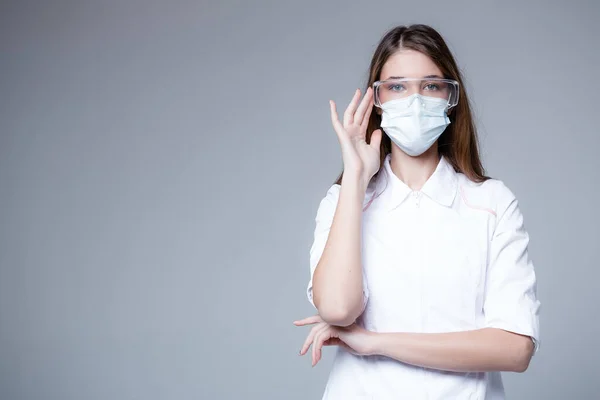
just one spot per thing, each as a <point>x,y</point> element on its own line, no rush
<point>161,164</point>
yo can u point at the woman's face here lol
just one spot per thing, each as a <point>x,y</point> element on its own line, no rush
<point>408,63</point>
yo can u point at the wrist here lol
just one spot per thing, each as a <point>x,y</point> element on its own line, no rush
<point>375,346</point>
<point>355,180</point>
<point>381,343</point>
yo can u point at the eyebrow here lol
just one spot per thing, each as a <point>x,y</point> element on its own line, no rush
<point>426,76</point>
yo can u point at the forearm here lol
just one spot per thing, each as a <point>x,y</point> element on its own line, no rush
<point>337,281</point>
<point>487,349</point>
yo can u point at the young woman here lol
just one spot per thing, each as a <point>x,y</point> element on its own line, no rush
<point>419,267</point>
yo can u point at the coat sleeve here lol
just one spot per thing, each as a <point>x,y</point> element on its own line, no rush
<point>323,220</point>
<point>510,301</point>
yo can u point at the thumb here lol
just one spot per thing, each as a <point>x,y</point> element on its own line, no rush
<point>376,139</point>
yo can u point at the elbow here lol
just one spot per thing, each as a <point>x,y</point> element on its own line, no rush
<point>521,365</point>
<point>336,313</point>
<point>335,310</point>
<point>337,316</point>
<point>523,356</point>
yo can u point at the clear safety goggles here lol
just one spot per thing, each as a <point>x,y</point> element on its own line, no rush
<point>395,89</point>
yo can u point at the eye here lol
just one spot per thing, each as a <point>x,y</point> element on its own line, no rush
<point>395,87</point>
<point>432,86</point>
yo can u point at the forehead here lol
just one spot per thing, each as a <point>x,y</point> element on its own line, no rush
<point>410,64</point>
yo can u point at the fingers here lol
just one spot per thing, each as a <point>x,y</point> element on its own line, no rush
<point>308,320</point>
<point>339,129</point>
<point>365,119</point>
<point>349,113</point>
<point>376,139</point>
<point>355,113</point>
<point>365,106</point>
<point>320,337</point>
<point>310,337</point>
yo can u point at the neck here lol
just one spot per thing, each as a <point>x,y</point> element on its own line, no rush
<point>414,171</point>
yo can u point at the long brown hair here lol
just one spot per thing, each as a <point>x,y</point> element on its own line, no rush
<point>458,143</point>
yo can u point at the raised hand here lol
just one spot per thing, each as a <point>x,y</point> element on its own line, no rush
<point>359,157</point>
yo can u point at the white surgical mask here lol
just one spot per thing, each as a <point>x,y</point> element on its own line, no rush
<point>414,123</point>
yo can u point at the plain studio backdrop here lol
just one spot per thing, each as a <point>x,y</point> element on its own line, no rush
<point>161,164</point>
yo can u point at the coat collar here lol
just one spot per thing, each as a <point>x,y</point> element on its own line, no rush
<point>440,187</point>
